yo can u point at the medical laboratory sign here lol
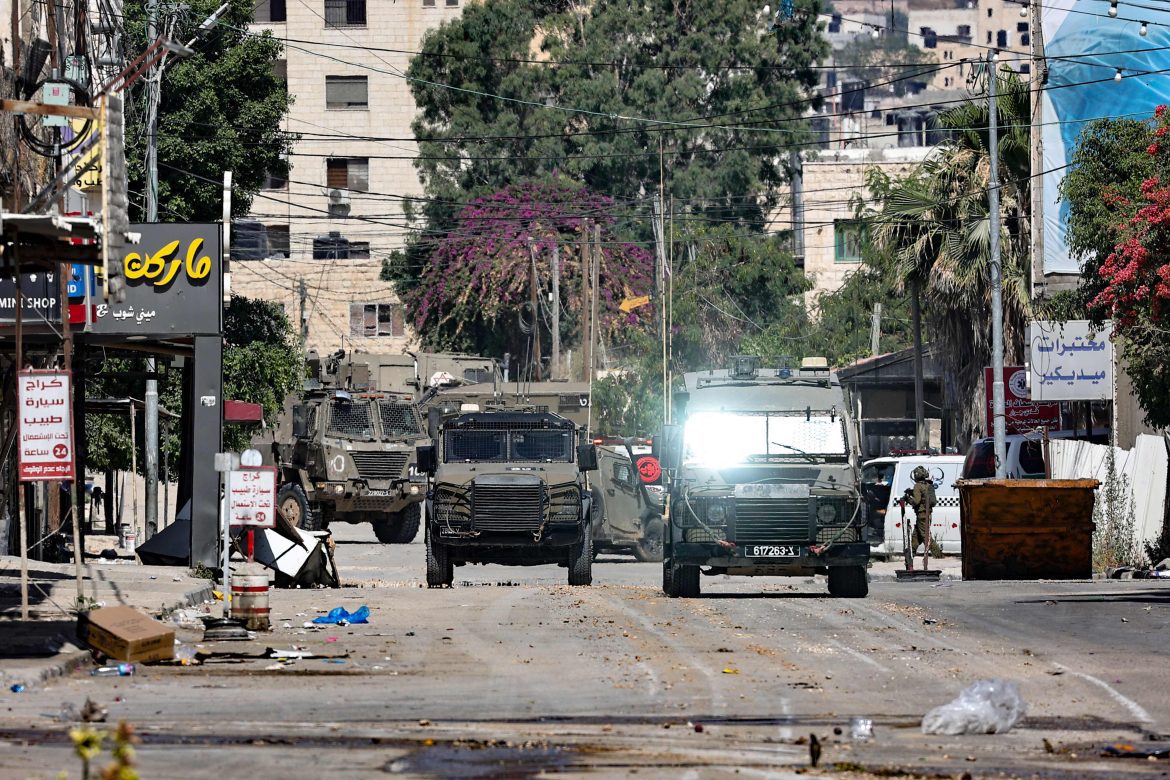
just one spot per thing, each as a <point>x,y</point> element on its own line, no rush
<point>45,426</point>
<point>1071,361</point>
<point>174,284</point>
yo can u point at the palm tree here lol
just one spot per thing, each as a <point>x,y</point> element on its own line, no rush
<point>935,226</point>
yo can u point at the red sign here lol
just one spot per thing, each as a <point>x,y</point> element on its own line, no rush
<point>648,469</point>
<point>1022,415</point>
<point>45,423</point>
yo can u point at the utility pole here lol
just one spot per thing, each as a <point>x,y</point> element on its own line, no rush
<point>1036,191</point>
<point>555,369</point>
<point>997,390</point>
<point>920,436</point>
<point>150,443</point>
<point>303,295</point>
<point>78,475</point>
<point>534,291</point>
<point>875,330</point>
<point>586,301</point>
<point>150,397</point>
<point>797,165</point>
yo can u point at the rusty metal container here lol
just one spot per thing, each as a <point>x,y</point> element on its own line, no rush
<point>1024,529</point>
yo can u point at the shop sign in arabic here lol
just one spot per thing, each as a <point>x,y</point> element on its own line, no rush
<point>45,431</point>
<point>174,284</point>
<point>252,497</point>
<point>1071,361</point>
<point>1021,414</point>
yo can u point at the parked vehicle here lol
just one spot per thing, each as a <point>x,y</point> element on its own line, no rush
<point>627,514</point>
<point>763,479</point>
<point>507,486</point>
<point>1025,454</point>
<point>884,481</point>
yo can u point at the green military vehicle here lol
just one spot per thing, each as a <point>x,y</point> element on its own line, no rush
<point>627,511</point>
<point>507,486</point>
<point>763,479</point>
<point>351,453</point>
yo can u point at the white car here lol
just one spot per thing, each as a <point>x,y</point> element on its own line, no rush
<point>885,480</point>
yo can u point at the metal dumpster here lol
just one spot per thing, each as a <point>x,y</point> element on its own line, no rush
<point>1023,529</point>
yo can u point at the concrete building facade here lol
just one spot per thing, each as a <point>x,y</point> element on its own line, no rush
<point>345,64</point>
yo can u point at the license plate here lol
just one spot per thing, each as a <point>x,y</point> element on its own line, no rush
<point>377,493</point>
<point>771,551</point>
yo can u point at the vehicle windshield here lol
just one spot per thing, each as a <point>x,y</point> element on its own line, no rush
<point>350,419</point>
<point>398,419</point>
<point>542,446</point>
<point>720,439</point>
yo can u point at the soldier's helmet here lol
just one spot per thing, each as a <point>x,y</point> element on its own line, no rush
<point>920,474</point>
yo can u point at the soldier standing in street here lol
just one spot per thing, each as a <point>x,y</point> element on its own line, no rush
<point>922,500</point>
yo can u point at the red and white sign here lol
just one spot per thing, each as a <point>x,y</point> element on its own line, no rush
<point>252,497</point>
<point>648,469</point>
<point>45,426</point>
<point>1023,415</point>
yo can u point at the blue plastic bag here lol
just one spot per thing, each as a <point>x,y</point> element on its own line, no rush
<point>341,616</point>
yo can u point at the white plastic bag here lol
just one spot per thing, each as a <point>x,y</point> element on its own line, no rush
<point>984,707</point>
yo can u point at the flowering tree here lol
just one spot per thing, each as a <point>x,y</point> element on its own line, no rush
<point>1120,225</point>
<point>474,291</point>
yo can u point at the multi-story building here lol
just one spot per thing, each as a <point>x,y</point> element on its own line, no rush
<point>345,64</point>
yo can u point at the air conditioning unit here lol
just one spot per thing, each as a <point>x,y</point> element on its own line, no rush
<point>338,202</point>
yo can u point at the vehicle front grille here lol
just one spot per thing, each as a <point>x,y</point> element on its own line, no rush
<point>380,465</point>
<point>772,520</point>
<point>452,508</point>
<point>837,535</point>
<point>703,535</point>
<point>565,505</point>
<point>398,419</point>
<point>507,507</point>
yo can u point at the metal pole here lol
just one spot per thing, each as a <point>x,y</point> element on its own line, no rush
<point>20,510</point>
<point>153,86</point>
<point>150,429</point>
<point>997,389</point>
<point>534,296</point>
<point>796,163</point>
<point>586,301</point>
<point>555,369</point>
<point>919,393</point>
<point>875,330</point>
<point>78,475</point>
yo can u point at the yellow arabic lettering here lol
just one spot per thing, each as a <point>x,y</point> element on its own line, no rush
<point>154,267</point>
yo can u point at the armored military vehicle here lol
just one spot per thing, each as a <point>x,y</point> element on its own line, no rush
<point>627,511</point>
<point>763,479</point>
<point>351,453</point>
<point>507,486</point>
<point>421,373</point>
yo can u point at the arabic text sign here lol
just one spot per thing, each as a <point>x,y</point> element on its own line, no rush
<point>1021,414</point>
<point>1071,361</point>
<point>46,426</point>
<point>252,497</point>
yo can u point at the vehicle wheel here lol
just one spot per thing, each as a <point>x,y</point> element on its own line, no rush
<point>848,582</point>
<point>324,517</point>
<point>649,547</point>
<point>297,509</point>
<point>440,571</point>
<point>687,579</point>
<point>668,582</point>
<point>386,528</point>
<point>581,560</point>
<point>409,521</point>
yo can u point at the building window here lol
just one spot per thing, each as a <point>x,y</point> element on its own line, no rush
<point>1025,39</point>
<point>280,72</point>
<point>1022,27</point>
<point>278,240</point>
<point>1001,39</point>
<point>267,11</point>
<point>849,237</point>
<point>359,250</point>
<point>989,37</point>
<point>1025,69</point>
<point>348,173</point>
<point>275,181</point>
<point>988,13</point>
<point>376,319</point>
<point>452,3</point>
<point>428,3</point>
<point>343,92</point>
<point>964,30</point>
<point>345,13</point>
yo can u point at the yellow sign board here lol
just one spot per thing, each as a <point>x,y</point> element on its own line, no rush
<point>629,304</point>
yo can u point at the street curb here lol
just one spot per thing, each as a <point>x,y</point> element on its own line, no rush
<point>61,667</point>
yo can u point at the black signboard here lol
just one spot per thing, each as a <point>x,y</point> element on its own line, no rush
<point>40,294</point>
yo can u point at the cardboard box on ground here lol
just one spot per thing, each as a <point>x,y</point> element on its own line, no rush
<point>125,634</point>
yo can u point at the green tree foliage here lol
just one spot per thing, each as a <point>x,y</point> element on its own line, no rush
<point>221,109</point>
<point>935,224</point>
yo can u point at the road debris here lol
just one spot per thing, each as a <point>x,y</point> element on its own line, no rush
<point>1129,750</point>
<point>343,617</point>
<point>861,729</point>
<point>814,750</point>
<point>984,707</point>
<point>92,712</point>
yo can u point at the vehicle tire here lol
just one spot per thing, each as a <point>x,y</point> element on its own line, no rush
<point>687,579</point>
<point>409,521</point>
<point>668,582</point>
<point>297,510</point>
<point>649,547</point>
<point>848,582</point>
<point>581,560</point>
<point>386,528</point>
<point>440,570</point>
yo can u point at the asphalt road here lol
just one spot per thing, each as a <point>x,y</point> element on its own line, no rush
<point>512,673</point>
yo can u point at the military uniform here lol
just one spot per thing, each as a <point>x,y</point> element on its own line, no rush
<point>922,500</point>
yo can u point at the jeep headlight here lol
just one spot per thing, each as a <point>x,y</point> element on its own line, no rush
<point>717,512</point>
<point>827,514</point>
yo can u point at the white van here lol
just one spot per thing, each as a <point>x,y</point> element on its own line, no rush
<point>885,480</point>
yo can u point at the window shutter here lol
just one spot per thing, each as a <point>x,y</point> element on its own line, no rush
<point>337,174</point>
